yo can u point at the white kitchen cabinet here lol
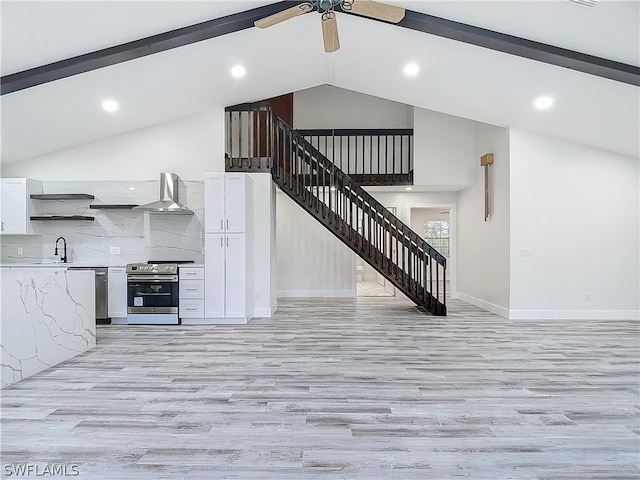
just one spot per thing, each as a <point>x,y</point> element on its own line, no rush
<point>225,200</point>
<point>117,295</point>
<point>191,293</point>
<point>235,298</point>
<point>190,310</point>
<point>226,286</point>
<point>16,206</point>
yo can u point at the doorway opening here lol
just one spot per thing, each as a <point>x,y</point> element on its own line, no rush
<point>436,224</point>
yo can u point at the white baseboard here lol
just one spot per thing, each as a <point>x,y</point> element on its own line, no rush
<point>316,293</point>
<point>152,319</point>
<point>574,314</point>
<point>490,307</point>
<point>550,314</point>
<point>266,312</point>
<point>215,321</point>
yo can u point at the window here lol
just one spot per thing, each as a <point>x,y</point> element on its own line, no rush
<point>436,234</point>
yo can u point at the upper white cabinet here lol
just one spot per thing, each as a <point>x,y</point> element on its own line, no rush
<point>225,201</point>
<point>16,206</point>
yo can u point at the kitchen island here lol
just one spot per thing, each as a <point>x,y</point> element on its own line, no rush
<point>47,317</point>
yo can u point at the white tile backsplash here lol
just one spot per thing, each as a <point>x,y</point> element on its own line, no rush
<point>140,236</point>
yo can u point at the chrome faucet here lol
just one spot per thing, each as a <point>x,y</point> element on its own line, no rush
<point>64,256</point>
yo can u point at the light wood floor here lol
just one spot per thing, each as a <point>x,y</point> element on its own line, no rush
<point>362,388</point>
<point>371,289</point>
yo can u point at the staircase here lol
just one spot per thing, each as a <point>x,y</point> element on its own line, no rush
<point>342,206</point>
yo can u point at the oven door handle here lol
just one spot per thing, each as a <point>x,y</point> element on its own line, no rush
<point>152,278</point>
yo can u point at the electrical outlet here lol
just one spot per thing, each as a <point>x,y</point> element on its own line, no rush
<point>587,297</point>
<point>525,252</point>
<point>115,250</point>
<point>20,251</point>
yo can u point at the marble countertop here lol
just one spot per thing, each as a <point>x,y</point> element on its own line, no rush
<point>77,264</point>
<point>56,265</point>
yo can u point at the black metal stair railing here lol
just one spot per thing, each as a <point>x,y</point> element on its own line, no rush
<point>258,140</point>
<point>359,220</point>
<point>368,156</point>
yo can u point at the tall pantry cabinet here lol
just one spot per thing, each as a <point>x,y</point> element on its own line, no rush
<point>228,279</point>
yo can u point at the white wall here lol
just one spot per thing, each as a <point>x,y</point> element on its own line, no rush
<point>189,147</point>
<point>332,107</point>
<point>444,150</point>
<point>483,247</point>
<point>311,261</point>
<point>263,213</point>
<point>421,215</point>
<point>575,246</point>
<point>405,201</point>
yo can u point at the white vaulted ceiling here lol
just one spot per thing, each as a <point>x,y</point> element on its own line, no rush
<point>455,78</point>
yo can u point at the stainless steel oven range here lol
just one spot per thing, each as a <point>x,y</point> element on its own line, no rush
<point>152,293</point>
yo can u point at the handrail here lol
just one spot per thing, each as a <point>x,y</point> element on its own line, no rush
<point>339,132</point>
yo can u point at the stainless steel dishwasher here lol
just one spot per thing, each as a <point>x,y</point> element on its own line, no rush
<point>102,288</point>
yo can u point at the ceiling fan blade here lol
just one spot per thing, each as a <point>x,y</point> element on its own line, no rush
<point>381,11</point>
<point>330,32</point>
<point>283,15</point>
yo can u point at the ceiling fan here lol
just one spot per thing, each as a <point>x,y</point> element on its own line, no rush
<point>326,8</point>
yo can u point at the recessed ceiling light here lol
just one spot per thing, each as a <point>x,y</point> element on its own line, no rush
<point>110,105</point>
<point>411,69</point>
<point>542,103</point>
<point>238,71</point>
<point>409,188</point>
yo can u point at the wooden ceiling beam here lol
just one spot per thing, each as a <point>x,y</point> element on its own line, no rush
<point>421,22</point>
<point>521,47</point>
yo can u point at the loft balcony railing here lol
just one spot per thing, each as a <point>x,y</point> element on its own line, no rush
<point>368,156</point>
<point>249,138</point>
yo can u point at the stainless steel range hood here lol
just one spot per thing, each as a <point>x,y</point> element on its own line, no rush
<point>168,202</point>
